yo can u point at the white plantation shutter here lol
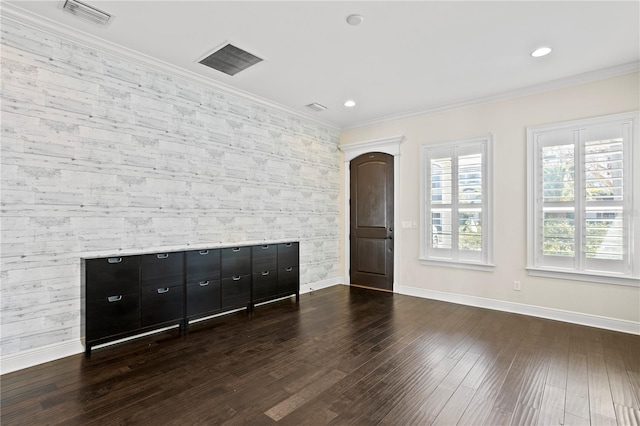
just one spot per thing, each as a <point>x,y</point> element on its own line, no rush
<point>456,217</point>
<point>580,217</point>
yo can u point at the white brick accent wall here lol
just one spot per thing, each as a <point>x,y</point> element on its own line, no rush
<point>101,156</point>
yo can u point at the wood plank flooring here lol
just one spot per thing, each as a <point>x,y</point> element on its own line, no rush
<point>343,355</point>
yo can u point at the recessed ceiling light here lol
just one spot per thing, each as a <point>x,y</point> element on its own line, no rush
<point>350,103</point>
<point>355,19</point>
<point>541,51</point>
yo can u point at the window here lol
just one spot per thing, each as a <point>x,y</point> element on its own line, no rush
<point>456,189</point>
<point>581,189</point>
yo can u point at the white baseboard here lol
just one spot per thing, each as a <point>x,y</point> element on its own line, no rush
<point>614,324</point>
<point>308,288</point>
<point>32,357</point>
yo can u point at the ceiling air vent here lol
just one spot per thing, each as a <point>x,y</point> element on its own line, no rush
<point>86,12</point>
<point>316,107</point>
<point>230,59</point>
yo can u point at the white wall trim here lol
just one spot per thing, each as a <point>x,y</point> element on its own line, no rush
<point>309,288</point>
<point>29,358</point>
<point>23,17</point>
<point>548,86</point>
<point>33,357</point>
<point>391,146</point>
<point>606,323</point>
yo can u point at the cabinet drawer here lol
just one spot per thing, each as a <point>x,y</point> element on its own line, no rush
<point>106,317</point>
<point>264,258</point>
<point>288,280</point>
<point>288,255</point>
<point>161,305</point>
<point>162,270</point>
<point>236,291</point>
<point>203,297</point>
<point>202,265</point>
<point>112,276</point>
<point>235,261</point>
<point>265,285</point>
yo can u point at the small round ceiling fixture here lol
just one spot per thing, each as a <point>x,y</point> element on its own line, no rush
<point>350,103</point>
<point>355,19</point>
<point>541,51</point>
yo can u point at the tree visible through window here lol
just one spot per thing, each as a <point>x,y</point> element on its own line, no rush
<point>580,217</point>
<point>456,216</point>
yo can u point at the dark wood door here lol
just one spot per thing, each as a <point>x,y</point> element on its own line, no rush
<point>372,220</point>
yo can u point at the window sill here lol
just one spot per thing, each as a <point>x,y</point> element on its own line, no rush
<point>458,265</point>
<point>583,276</point>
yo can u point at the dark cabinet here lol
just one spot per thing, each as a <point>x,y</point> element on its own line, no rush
<point>265,272</point>
<point>162,270</point>
<point>112,315</point>
<point>112,298</point>
<point>162,294</point>
<point>203,298</point>
<point>236,277</point>
<point>203,282</point>
<point>130,295</point>
<point>288,269</point>
<point>161,305</point>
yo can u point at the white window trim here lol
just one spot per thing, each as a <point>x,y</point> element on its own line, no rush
<point>487,186</point>
<point>632,196</point>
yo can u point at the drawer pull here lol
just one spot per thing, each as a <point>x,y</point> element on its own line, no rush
<point>288,244</point>
<point>204,252</point>
<point>289,269</point>
<point>114,260</point>
<point>265,273</point>
<point>162,255</point>
<point>264,247</point>
<point>236,278</point>
<point>236,249</point>
<point>163,290</point>
<point>203,283</point>
<point>111,299</point>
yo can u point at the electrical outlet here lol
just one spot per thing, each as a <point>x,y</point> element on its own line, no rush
<point>516,285</point>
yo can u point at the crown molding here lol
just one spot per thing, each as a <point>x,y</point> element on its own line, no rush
<point>23,17</point>
<point>561,83</point>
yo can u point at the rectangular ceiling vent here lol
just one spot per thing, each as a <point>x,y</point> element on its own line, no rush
<point>86,12</point>
<point>316,107</point>
<point>230,59</point>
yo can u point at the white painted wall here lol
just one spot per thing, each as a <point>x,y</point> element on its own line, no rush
<point>101,155</point>
<point>507,121</point>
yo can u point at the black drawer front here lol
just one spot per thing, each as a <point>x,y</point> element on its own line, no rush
<point>265,257</point>
<point>203,297</point>
<point>288,280</point>
<point>288,255</point>
<point>265,285</point>
<point>236,291</point>
<point>106,317</point>
<point>235,261</point>
<point>161,305</point>
<point>112,276</point>
<point>202,265</point>
<point>162,270</point>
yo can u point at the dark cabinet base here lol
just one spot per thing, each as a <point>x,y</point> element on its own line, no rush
<point>130,295</point>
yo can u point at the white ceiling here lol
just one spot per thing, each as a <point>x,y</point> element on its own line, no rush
<point>405,57</point>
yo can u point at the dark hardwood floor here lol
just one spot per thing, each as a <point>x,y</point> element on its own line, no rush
<point>344,356</point>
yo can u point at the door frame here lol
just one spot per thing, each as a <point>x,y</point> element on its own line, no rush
<point>389,146</point>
